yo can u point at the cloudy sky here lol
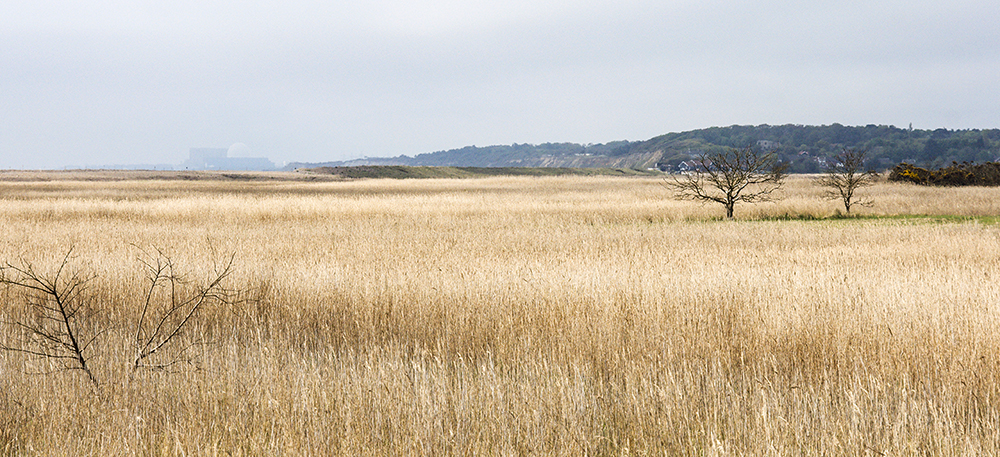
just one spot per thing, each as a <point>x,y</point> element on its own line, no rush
<point>132,81</point>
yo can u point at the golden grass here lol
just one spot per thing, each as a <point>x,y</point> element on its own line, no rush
<point>513,316</point>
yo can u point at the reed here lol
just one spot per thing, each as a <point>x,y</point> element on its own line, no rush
<point>511,316</point>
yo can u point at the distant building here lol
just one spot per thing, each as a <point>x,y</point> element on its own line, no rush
<point>205,158</point>
<point>693,166</point>
<point>765,144</point>
<point>219,159</point>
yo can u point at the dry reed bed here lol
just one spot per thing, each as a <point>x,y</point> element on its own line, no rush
<point>558,316</point>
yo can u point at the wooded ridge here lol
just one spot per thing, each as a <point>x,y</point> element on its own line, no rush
<point>807,149</point>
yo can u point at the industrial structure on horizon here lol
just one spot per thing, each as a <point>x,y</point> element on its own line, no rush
<point>237,157</point>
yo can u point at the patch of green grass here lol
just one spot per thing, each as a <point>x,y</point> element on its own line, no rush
<point>912,218</point>
<point>802,217</point>
<point>941,218</point>
<point>406,172</point>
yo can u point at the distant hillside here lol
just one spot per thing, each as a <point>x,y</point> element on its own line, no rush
<point>561,155</point>
<point>805,148</point>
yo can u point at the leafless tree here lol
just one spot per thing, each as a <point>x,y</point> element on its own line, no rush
<point>55,302</point>
<point>169,305</point>
<point>738,175</point>
<point>846,176</point>
<point>55,317</point>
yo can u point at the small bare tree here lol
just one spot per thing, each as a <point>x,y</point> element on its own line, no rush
<point>55,320</point>
<point>55,304</point>
<point>846,176</point>
<point>169,304</point>
<point>738,175</point>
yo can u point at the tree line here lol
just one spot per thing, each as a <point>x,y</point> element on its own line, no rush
<point>807,149</point>
<point>803,148</point>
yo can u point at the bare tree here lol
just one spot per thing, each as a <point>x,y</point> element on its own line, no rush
<point>55,317</point>
<point>738,175</point>
<point>169,305</point>
<point>846,176</point>
<point>55,303</point>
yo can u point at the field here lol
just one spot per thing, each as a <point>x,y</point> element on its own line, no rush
<point>507,316</point>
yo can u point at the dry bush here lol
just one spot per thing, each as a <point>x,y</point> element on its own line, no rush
<point>556,316</point>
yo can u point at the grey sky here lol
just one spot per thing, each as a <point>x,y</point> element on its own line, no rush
<point>108,82</point>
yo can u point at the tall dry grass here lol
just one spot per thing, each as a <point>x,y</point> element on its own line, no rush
<point>513,316</point>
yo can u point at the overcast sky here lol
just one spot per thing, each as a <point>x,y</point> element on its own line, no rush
<point>118,82</point>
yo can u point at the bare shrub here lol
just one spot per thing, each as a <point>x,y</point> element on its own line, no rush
<point>171,301</point>
<point>56,303</point>
<point>55,322</point>
<point>846,176</point>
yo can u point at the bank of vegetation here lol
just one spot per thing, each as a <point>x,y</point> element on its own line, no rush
<point>956,174</point>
